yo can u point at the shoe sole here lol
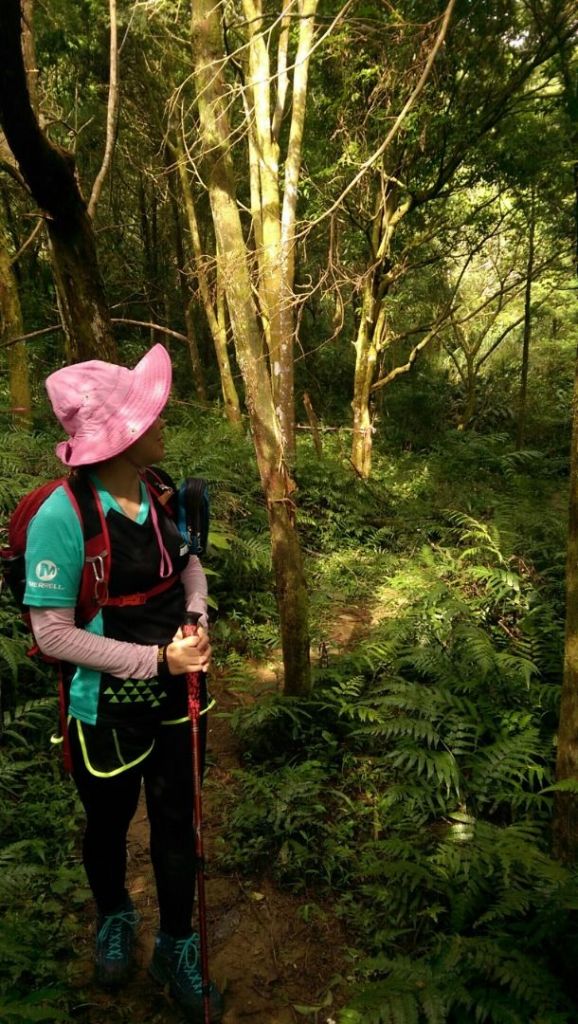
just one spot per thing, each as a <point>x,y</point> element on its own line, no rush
<point>161,978</point>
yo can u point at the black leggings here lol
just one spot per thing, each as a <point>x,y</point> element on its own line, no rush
<point>110,804</point>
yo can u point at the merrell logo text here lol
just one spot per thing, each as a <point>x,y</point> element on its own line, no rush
<point>46,570</point>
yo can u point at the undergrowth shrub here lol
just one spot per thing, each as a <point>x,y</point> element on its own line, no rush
<point>42,884</point>
<point>42,888</point>
<point>414,787</point>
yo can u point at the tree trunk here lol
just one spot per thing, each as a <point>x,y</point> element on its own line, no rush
<point>565,825</point>
<point>365,359</point>
<point>188,304</point>
<point>111,115</point>
<point>372,324</point>
<point>214,309</point>
<point>228,386</point>
<point>80,290</point>
<point>314,424</point>
<point>233,261</point>
<point>307,11</point>
<point>566,815</point>
<point>29,52</point>
<point>196,364</point>
<point>11,327</point>
<point>50,176</point>
<point>469,378</point>
<point>520,434</point>
<point>274,214</point>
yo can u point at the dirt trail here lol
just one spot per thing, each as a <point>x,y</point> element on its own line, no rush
<point>266,959</point>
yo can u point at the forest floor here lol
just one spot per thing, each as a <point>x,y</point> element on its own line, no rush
<point>273,965</point>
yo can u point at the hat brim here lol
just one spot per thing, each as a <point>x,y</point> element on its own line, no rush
<point>146,399</point>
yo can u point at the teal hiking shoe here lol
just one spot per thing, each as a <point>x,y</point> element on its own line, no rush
<point>177,963</point>
<point>115,941</point>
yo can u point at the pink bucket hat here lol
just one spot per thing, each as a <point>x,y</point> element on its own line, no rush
<point>104,408</point>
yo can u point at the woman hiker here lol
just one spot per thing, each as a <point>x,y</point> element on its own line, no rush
<point>127,714</point>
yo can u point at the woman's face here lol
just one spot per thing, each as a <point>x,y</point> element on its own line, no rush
<point>149,448</point>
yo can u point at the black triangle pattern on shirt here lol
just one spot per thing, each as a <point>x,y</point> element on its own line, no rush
<point>134,691</point>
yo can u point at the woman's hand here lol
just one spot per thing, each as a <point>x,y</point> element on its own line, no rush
<point>189,653</point>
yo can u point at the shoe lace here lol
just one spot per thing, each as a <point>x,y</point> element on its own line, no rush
<point>188,951</point>
<point>114,933</point>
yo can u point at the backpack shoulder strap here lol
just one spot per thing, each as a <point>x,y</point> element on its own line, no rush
<point>93,591</point>
<point>162,486</point>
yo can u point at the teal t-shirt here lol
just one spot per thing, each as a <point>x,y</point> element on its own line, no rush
<point>54,563</point>
<point>55,548</point>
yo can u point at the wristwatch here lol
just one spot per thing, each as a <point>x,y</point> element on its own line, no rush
<point>162,655</point>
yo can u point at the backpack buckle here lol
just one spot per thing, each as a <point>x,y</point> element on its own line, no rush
<point>100,585</point>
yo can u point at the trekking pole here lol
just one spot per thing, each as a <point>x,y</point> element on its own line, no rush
<point>194,706</point>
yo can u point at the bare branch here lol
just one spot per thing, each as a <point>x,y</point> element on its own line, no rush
<point>367,164</point>
<point>12,170</point>
<point>35,231</point>
<point>114,320</point>
<point>406,367</point>
<point>498,341</point>
<point>111,114</point>
<point>32,334</point>
<point>154,327</point>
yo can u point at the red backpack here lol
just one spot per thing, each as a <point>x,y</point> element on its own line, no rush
<point>83,496</point>
<point>93,591</point>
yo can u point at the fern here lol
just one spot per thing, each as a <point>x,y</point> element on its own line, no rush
<point>36,1006</point>
<point>15,879</point>
<point>407,994</point>
<point>463,981</point>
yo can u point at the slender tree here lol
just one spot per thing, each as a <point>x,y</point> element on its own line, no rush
<point>112,112</point>
<point>260,389</point>
<point>211,297</point>
<point>566,815</point>
<point>267,74</point>
<point>49,173</point>
<point>186,297</point>
<point>526,338</point>
<point>11,329</point>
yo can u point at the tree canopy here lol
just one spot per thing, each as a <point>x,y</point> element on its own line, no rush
<point>355,227</point>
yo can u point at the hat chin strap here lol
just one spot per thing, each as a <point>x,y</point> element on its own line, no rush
<point>166,562</point>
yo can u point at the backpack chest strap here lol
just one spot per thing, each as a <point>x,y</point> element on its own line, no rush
<point>128,600</point>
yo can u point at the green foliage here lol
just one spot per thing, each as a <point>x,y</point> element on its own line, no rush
<point>36,1006</point>
<point>41,884</point>
<point>414,786</point>
<point>464,980</point>
<point>40,880</point>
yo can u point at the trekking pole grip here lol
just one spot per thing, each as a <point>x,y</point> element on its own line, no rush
<point>190,628</point>
<point>191,623</point>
